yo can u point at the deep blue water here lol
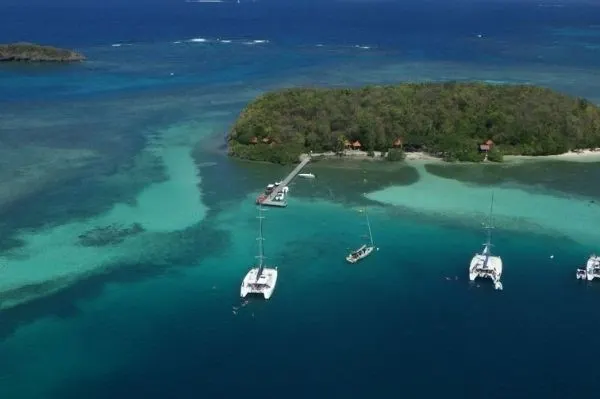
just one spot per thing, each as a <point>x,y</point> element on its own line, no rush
<point>402,25</point>
<point>512,34</point>
<point>393,327</point>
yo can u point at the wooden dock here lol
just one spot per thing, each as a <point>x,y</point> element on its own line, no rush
<point>270,199</point>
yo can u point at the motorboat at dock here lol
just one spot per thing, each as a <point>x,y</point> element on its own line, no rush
<point>278,200</point>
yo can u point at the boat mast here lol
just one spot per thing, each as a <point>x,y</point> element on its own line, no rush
<point>490,226</point>
<point>260,240</point>
<point>369,225</point>
<point>367,215</point>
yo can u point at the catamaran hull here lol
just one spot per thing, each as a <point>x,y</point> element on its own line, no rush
<point>592,268</point>
<point>492,269</point>
<point>263,286</point>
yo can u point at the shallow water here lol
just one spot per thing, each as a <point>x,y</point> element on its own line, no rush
<point>516,207</point>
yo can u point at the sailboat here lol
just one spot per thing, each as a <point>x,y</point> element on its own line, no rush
<point>260,279</point>
<point>484,264</point>
<point>366,249</point>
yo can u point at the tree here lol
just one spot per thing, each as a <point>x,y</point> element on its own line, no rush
<point>340,143</point>
<point>448,118</point>
<point>395,155</point>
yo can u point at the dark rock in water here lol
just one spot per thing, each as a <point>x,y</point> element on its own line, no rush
<point>109,235</point>
<point>28,52</point>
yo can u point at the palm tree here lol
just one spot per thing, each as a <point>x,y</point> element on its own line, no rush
<point>340,145</point>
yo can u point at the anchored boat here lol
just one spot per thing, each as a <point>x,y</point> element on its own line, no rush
<point>365,249</point>
<point>592,269</point>
<point>484,264</point>
<point>260,280</point>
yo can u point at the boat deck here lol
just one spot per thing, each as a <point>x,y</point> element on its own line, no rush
<point>591,270</point>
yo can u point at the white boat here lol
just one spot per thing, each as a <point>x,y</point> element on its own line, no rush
<point>484,264</point>
<point>592,269</point>
<point>280,196</point>
<point>365,249</point>
<point>306,175</point>
<point>260,280</point>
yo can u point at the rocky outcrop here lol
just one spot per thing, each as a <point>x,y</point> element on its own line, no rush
<point>28,52</point>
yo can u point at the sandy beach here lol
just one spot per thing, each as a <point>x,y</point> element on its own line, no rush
<point>584,155</point>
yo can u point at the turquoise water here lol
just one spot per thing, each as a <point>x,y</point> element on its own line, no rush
<point>136,135</point>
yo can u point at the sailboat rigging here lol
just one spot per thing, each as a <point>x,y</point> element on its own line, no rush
<point>487,246</point>
<point>369,226</point>
<point>260,239</point>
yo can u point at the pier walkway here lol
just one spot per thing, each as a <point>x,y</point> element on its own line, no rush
<point>269,200</point>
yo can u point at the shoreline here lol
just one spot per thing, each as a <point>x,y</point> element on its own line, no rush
<point>363,155</point>
<point>582,155</point>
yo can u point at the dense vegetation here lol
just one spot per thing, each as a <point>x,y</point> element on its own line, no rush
<point>36,53</point>
<point>445,119</point>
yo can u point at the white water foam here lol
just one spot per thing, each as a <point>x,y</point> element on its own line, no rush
<point>225,41</point>
<point>256,42</point>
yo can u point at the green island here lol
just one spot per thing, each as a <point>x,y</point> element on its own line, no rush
<point>28,52</point>
<point>469,122</point>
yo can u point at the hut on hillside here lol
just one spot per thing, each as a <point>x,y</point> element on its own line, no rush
<point>487,146</point>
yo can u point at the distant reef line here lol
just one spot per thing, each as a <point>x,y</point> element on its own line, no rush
<point>453,121</point>
<point>30,52</point>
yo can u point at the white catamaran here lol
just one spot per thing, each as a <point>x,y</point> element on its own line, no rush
<point>365,250</point>
<point>260,279</point>
<point>484,264</point>
<point>592,269</point>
